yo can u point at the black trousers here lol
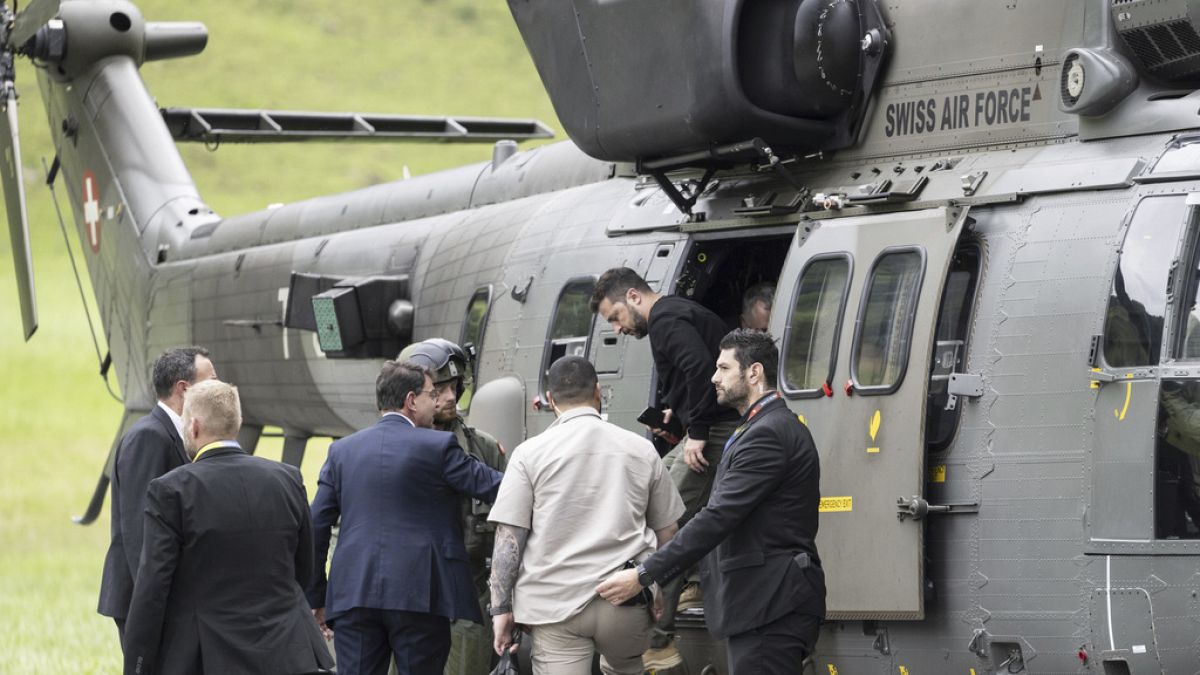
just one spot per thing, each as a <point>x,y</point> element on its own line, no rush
<point>777,648</point>
<point>366,639</point>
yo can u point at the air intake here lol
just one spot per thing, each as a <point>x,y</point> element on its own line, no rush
<point>1162,35</point>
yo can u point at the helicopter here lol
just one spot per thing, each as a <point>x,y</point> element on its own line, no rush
<point>980,218</point>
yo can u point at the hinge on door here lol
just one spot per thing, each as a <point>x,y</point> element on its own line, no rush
<point>882,644</point>
<point>963,384</point>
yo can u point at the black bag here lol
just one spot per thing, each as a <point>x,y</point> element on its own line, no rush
<point>508,660</point>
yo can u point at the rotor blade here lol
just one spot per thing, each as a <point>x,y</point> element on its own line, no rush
<point>34,16</point>
<point>14,201</point>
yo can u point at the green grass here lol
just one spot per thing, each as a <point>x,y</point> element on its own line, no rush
<point>57,420</point>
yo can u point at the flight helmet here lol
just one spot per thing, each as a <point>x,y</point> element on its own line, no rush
<point>444,359</point>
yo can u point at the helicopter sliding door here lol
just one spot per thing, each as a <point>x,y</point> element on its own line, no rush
<point>862,295</point>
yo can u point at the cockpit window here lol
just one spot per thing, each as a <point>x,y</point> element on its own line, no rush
<point>1133,324</point>
<point>810,345</point>
<point>1177,461</point>
<point>1186,331</point>
<point>886,317</point>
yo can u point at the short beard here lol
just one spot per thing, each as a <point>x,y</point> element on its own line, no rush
<point>441,420</point>
<point>734,397</point>
<point>640,326</point>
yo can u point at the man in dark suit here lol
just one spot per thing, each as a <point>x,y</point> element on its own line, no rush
<point>226,554</point>
<point>151,447</point>
<point>400,572</point>
<point>763,579</point>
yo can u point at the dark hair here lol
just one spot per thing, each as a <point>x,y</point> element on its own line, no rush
<point>764,291</point>
<point>175,365</point>
<point>752,346</point>
<point>571,380</point>
<point>396,381</point>
<point>613,284</point>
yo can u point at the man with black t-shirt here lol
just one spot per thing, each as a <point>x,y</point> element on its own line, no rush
<point>684,338</point>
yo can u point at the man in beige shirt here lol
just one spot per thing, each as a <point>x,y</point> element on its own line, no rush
<point>577,502</point>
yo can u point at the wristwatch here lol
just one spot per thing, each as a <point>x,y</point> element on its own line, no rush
<point>644,577</point>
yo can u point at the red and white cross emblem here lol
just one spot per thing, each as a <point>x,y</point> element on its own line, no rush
<point>91,209</point>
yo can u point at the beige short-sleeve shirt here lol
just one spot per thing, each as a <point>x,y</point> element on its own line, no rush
<point>591,494</point>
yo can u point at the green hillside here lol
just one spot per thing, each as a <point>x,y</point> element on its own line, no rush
<point>458,57</point>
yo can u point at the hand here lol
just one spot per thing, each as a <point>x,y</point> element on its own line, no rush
<point>693,454</point>
<point>502,628</point>
<point>620,587</point>
<point>319,615</point>
<point>663,433</point>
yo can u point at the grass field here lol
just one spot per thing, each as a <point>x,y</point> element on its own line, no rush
<point>57,420</point>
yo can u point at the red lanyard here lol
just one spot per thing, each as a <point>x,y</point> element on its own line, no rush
<point>754,410</point>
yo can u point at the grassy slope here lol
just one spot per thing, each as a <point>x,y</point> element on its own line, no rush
<point>458,57</point>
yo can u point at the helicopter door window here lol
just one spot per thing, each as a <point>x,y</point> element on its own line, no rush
<point>1133,323</point>
<point>811,339</point>
<point>950,345</point>
<point>885,321</point>
<point>571,324</point>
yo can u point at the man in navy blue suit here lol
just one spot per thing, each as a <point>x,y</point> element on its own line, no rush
<point>400,572</point>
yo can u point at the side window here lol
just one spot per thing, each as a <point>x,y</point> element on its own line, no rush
<point>885,320</point>
<point>570,325</point>
<point>810,343</point>
<point>476,319</point>
<point>1133,324</point>
<point>950,345</point>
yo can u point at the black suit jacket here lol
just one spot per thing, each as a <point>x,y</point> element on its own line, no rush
<point>758,529</point>
<point>228,546</point>
<point>148,450</point>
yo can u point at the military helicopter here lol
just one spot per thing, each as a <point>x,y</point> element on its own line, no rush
<point>981,219</point>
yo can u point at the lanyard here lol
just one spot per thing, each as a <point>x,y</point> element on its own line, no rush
<point>215,444</point>
<point>754,410</point>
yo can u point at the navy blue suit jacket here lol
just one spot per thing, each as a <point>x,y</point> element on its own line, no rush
<point>396,489</point>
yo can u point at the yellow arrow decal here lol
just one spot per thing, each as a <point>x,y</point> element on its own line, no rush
<point>1120,414</point>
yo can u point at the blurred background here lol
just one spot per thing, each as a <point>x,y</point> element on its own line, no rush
<point>57,420</point>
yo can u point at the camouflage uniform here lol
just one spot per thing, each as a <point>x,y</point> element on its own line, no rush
<point>471,643</point>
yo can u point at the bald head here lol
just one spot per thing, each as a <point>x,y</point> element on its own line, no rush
<point>212,411</point>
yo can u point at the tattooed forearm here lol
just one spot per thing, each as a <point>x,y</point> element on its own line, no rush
<point>506,562</point>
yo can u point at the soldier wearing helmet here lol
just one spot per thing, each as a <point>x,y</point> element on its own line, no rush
<point>470,650</point>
